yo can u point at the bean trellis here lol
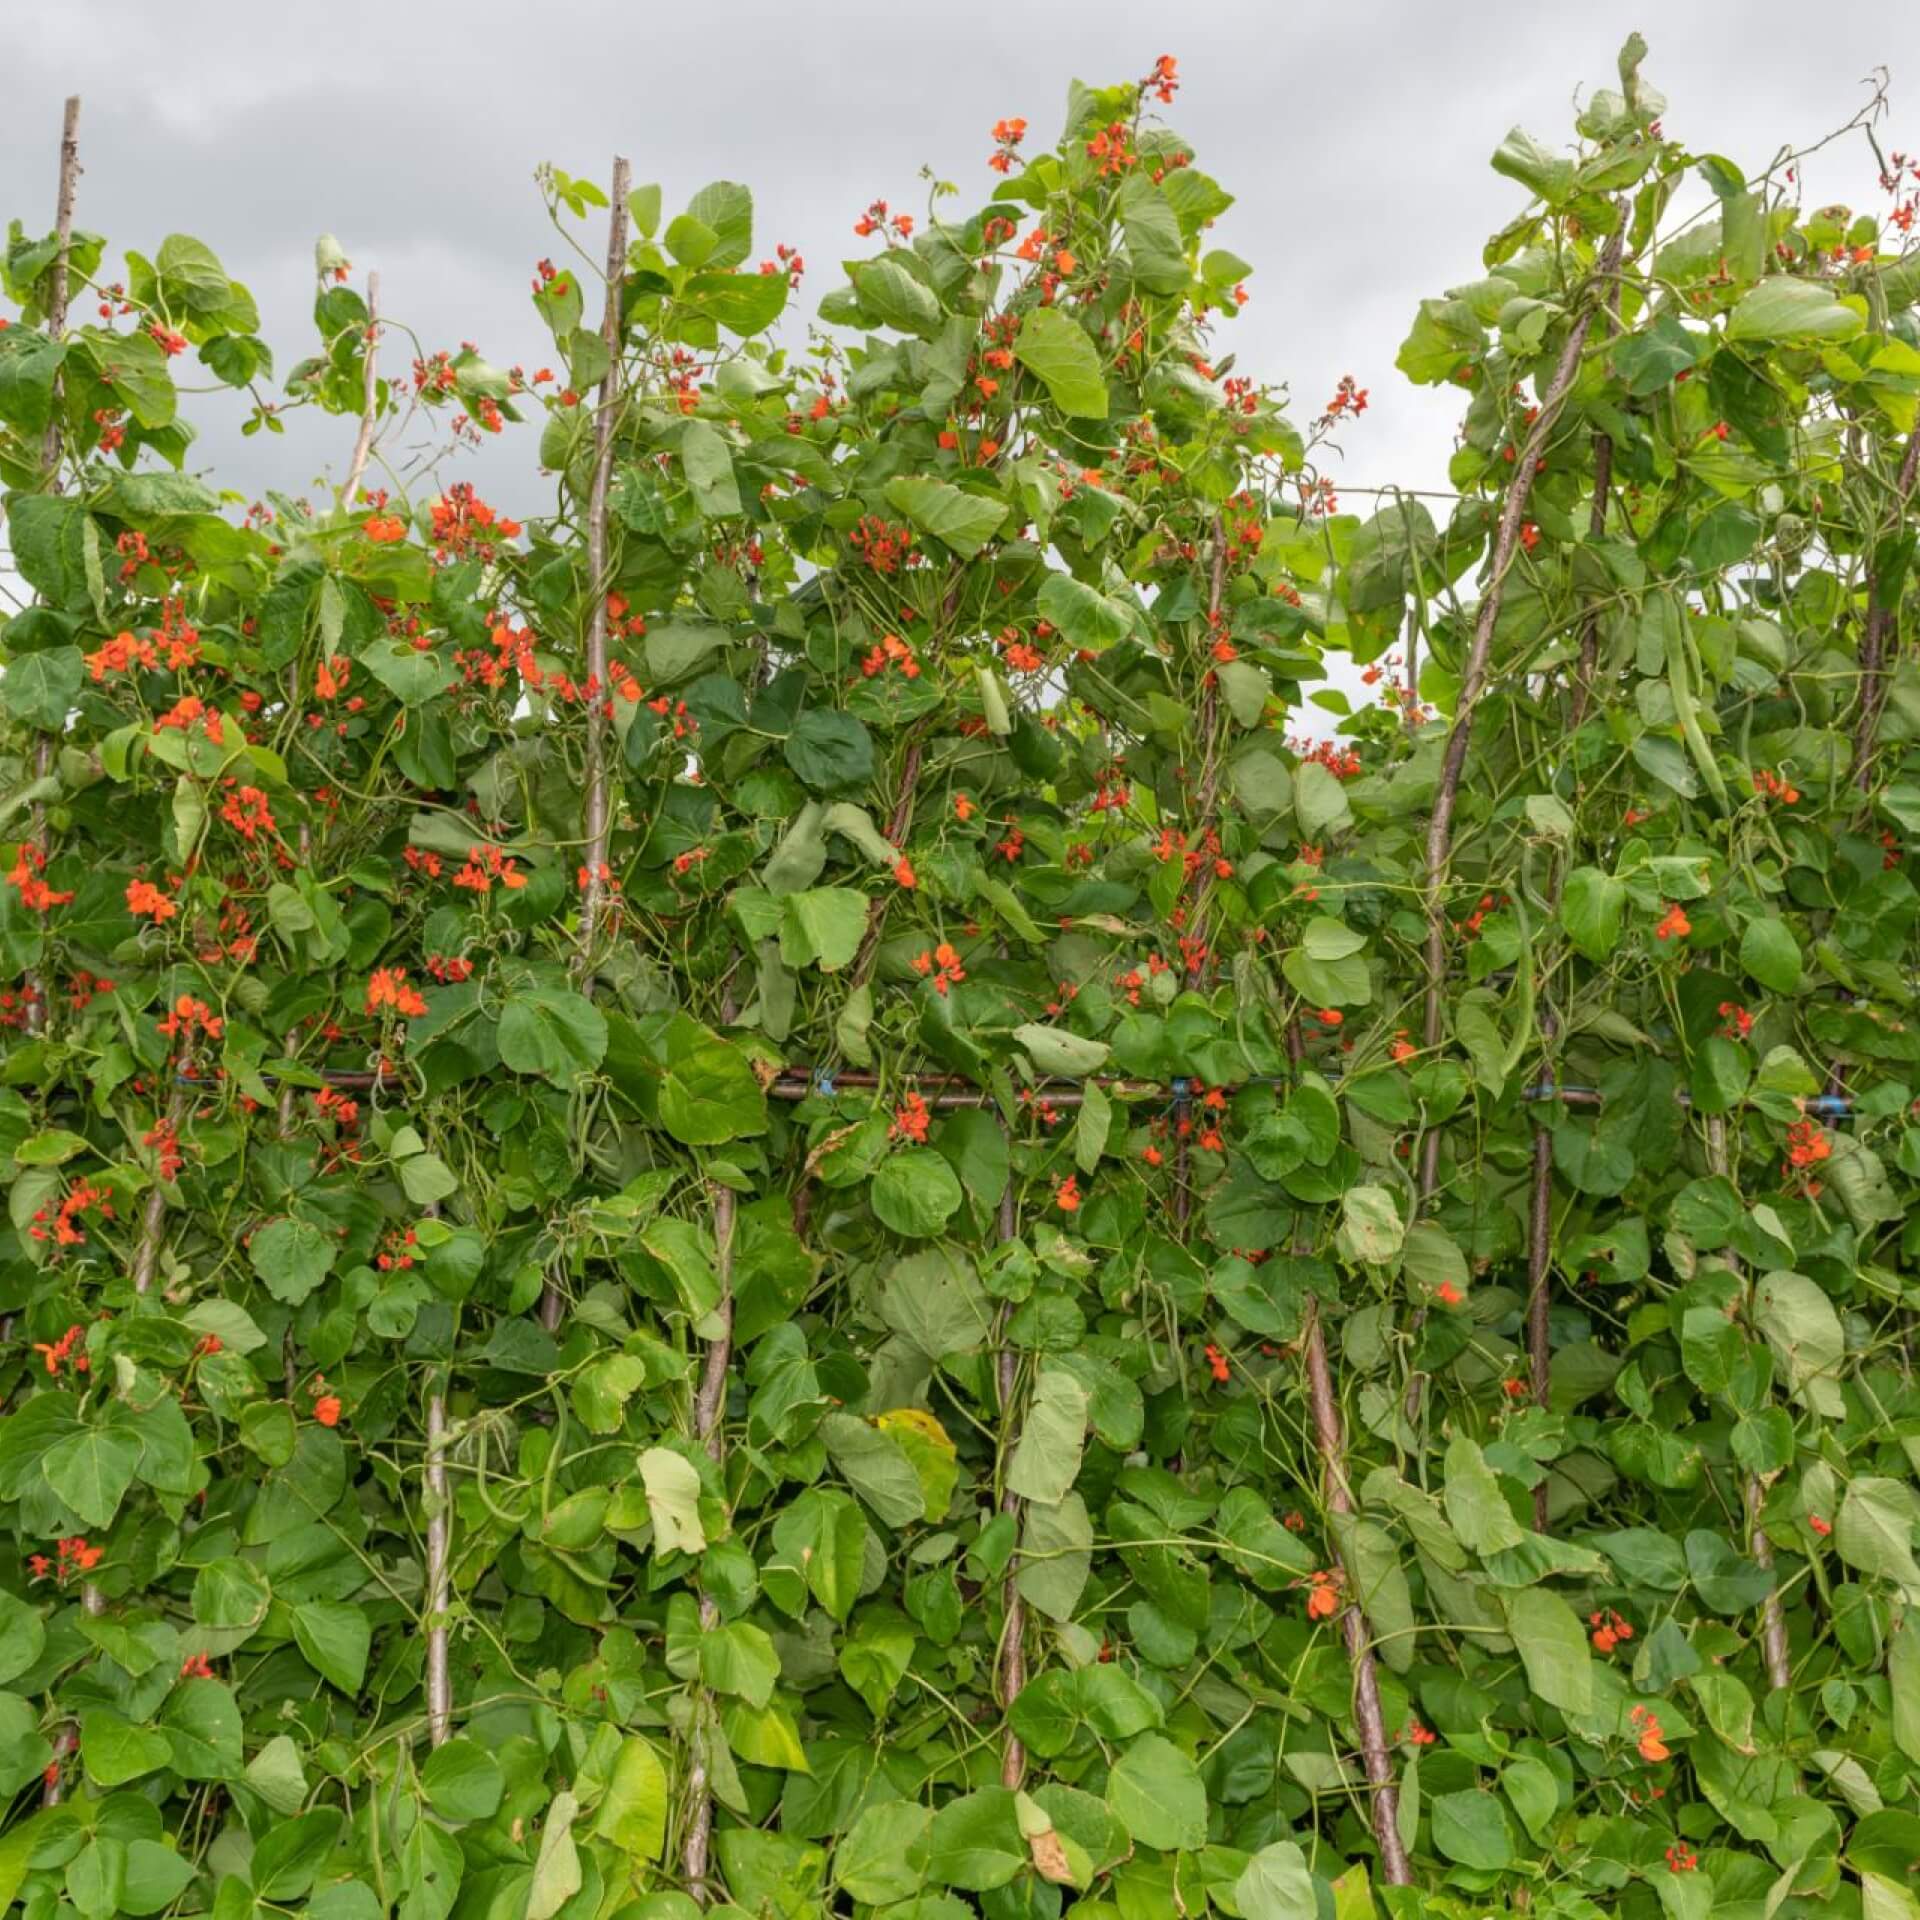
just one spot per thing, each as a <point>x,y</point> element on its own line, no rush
<point>762,1195</point>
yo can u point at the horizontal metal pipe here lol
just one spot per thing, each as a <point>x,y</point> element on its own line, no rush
<point>955,1090</point>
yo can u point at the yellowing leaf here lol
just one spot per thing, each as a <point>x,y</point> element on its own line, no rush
<point>672,1482</point>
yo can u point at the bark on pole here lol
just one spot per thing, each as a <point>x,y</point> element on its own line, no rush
<point>1753,1493</point>
<point>596,804</point>
<point>1376,1755</point>
<point>66,1739</point>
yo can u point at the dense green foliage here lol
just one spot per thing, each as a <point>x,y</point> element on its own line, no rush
<point>756,1197</point>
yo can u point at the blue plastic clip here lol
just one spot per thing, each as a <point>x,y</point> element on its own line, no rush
<point>823,1085</point>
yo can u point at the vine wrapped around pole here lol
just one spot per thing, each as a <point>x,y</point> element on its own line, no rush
<point>1376,1757</point>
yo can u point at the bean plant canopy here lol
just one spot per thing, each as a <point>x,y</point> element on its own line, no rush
<point>807,1187</point>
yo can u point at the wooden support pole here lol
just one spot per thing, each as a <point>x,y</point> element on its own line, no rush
<point>1375,1754</point>
<point>439,1568</point>
<point>596,804</point>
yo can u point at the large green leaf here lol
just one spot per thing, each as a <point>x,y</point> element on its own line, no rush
<point>1874,1531</point>
<point>553,1032</point>
<point>1154,244</point>
<point>115,1751</point>
<point>1471,1828</point>
<point>1785,307</point>
<point>1276,1885</point>
<point>822,926</point>
<point>1553,1648</point>
<point>1085,618</point>
<point>1803,1329</point>
<point>1047,1460</point>
<point>1591,907</point>
<point>725,209</point>
<point>673,1498</point>
<point>335,1638</point>
<point>40,688</point>
<point>896,298</point>
<point>1156,1793</point>
<point>292,1258</point>
<point>90,1471</point>
<point>916,1193</point>
<point>1477,1510</point>
<point>1055,347</point>
<point>29,362</point>
<point>413,676</point>
<point>708,465</point>
<point>710,1093</point>
<point>830,751</point>
<point>959,519</point>
<point>633,1816</point>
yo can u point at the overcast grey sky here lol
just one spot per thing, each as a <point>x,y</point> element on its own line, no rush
<point>1355,133</point>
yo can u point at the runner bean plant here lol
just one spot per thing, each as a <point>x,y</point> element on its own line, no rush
<point>804,1184</point>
